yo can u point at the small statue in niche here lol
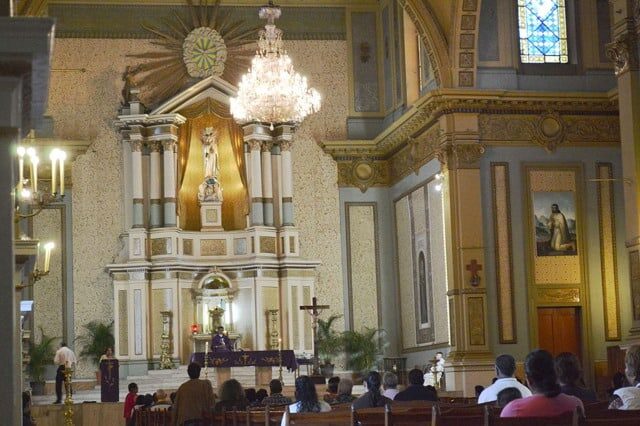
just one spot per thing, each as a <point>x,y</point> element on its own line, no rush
<point>210,153</point>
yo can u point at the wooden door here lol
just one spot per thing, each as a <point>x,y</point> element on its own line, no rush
<point>559,330</point>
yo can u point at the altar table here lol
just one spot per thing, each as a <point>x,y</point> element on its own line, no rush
<point>247,359</point>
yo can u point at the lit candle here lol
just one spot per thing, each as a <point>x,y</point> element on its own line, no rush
<point>35,265</point>
<point>206,348</point>
<point>54,162</point>
<point>47,255</point>
<point>21,152</point>
<point>279,344</point>
<point>62,156</point>
<point>35,161</point>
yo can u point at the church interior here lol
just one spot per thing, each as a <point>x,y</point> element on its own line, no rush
<point>453,176</point>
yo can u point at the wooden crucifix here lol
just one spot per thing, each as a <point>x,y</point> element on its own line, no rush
<point>474,267</point>
<point>314,310</point>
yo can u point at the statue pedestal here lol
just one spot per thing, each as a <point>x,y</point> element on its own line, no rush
<point>211,216</point>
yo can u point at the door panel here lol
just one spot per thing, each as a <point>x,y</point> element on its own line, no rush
<point>559,330</point>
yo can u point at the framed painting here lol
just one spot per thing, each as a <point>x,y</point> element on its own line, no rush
<point>554,222</point>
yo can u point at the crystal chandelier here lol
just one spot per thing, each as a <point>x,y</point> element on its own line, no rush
<point>272,92</point>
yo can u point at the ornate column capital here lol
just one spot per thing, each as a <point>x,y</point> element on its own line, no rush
<point>254,144</point>
<point>460,156</point>
<point>285,145</point>
<point>136,145</point>
<point>266,146</point>
<point>154,146</point>
<point>168,145</point>
<point>623,52</point>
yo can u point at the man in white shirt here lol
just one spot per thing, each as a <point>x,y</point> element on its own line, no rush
<point>505,368</point>
<point>64,357</point>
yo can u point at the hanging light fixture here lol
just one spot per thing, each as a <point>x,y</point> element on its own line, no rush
<point>272,92</point>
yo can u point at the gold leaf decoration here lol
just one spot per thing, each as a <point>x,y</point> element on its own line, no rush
<point>208,42</point>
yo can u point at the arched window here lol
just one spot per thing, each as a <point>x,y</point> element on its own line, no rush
<point>543,31</point>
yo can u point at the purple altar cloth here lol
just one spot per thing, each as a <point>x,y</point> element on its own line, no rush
<point>247,358</point>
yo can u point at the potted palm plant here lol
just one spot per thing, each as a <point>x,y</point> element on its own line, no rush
<point>329,344</point>
<point>95,340</point>
<point>363,350</point>
<point>40,355</point>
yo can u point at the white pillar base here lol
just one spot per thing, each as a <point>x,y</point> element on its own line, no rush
<point>211,216</point>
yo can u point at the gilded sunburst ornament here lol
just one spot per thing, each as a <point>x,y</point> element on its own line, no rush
<point>208,43</point>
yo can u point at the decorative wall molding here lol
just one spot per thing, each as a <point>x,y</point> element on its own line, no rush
<point>608,256</point>
<point>501,207</point>
<point>363,173</point>
<point>465,48</point>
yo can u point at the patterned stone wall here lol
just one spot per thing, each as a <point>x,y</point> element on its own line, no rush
<point>84,106</point>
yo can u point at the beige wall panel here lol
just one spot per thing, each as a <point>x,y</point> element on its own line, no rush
<point>608,252</point>
<point>48,291</point>
<point>123,326</point>
<point>188,317</point>
<point>470,222</point>
<point>503,252</point>
<point>244,311</point>
<point>363,261</point>
<point>405,273</point>
<point>161,300</point>
<point>438,264</point>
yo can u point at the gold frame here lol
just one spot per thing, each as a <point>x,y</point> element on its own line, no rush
<point>507,185</point>
<point>583,286</point>
<point>347,224</point>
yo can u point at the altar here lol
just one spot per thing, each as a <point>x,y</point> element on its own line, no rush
<point>263,361</point>
<point>211,231</point>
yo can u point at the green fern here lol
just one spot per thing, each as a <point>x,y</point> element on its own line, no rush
<point>97,338</point>
<point>40,355</point>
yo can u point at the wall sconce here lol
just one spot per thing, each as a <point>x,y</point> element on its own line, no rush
<point>37,274</point>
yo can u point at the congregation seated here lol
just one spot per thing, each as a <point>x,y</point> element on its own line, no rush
<point>569,372</point>
<point>276,397</point>
<point>628,398</point>
<point>547,399</point>
<point>416,391</point>
<point>261,394</point>
<point>306,400</point>
<point>390,385</point>
<point>345,389</point>
<point>505,367</point>
<point>232,397</point>
<point>373,396</point>
<point>332,390</point>
<point>251,395</point>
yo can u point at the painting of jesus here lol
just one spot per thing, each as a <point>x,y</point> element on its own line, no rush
<point>554,221</point>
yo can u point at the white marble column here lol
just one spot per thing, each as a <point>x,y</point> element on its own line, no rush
<point>276,174</point>
<point>169,188</point>
<point>257,209</point>
<point>136,184</point>
<point>267,183</point>
<point>155,185</point>
<point>287,184</point>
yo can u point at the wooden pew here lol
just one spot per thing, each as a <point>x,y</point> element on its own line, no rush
<point>417,413</point>
<point>330,418</point>
<point>147,417</point>
<point>370,416</point>
<point>468,415</point>
<point>566,419</point>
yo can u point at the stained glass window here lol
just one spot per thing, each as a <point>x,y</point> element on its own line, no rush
<point>543,31</point>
